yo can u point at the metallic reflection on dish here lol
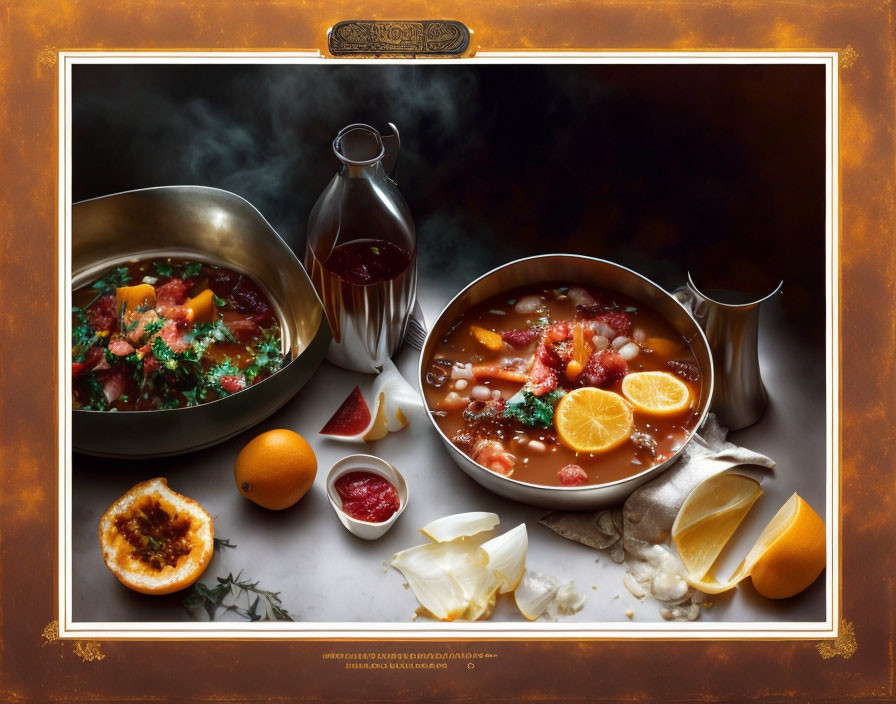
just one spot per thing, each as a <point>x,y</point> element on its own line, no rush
<point>217,227</point>
<point>573,269</point>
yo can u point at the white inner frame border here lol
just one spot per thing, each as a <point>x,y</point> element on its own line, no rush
<point>484,631</point>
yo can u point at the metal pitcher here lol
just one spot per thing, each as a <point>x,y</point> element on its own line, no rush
<point>730,320</point>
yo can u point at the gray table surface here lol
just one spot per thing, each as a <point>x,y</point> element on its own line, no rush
<point>325,574</point>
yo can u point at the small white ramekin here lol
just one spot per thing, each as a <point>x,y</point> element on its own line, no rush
<point>366,463</point>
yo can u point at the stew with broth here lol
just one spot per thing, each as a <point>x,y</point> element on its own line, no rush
<point>167,333</point>
<point>563,385</point>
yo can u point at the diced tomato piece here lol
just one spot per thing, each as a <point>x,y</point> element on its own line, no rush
<point>249,300</point>
<point>174,293</point>
<point>151,364</point>
<point>174,337</point>
<point>93,357</point>
<point>101,315</point>
<point>621,323</point>
<point>542,379</point>
<point>572,475</point>
<point>113,381</point>
<point>543,374</point>
<point>559,332</point>
<point>120,347</point>
<point>548,356</point>
<point>136,335</point>
<point>519,338</point>
<point>180,316</point>
<point>232,383</point>
<point>492,455</point>
<point>243,329</point>
<point>603,367</point>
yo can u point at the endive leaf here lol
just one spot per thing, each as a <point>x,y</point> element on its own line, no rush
<point>506,555</point>
<point>459,525</point>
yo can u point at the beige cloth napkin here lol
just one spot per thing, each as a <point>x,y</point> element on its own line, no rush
<point>638,533</point>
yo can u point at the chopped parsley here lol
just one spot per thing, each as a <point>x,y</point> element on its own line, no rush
<point>220,302</point>
<point>115,278</point>
<point>216,373</point>
<point>191,269</point>
<point>163,268</point>
<point>153,327</point>
<point>168,357</point>
<point>97,399</point>
<point>529,409</point>
<point>268,356</point>
<point>83,336</point>
<point>216,331</point>
<point>196,395</point>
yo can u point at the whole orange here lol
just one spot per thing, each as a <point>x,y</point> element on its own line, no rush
<point>275,469</point>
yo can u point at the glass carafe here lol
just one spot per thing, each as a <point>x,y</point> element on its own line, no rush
<point>361,251</point>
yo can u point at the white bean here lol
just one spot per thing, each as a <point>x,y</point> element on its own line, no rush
<point>453,402</point>
<point>537,446</point>
<point>639,335</point>
<point>462,371</point>
<point>496,394</point>
<point>527,304</point>
<point>600,342</point>
<point>580,296</point>
<point>481,393</point>
<point>461,384</point>
<point>629,351</point>
<point>602,328</point>
<point>619,342</point>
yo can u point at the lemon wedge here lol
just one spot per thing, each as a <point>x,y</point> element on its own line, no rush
<point>709,517</point>
<point>593,420</point>
<point>656,393</point>
<point>786,558</point>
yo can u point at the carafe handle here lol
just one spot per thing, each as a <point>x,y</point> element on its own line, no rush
<point>391,146</point>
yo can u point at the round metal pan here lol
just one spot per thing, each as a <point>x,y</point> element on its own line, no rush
<point>213,226</point>
<point>570,269</point>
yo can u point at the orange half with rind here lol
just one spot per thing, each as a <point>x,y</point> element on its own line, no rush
<point>155,540</point>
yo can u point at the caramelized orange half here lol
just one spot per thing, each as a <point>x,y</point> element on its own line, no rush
<point>155,540</point>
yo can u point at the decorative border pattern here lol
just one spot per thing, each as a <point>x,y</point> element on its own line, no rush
<point>403,38</point>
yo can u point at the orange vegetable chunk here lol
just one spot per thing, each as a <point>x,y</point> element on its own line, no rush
<point>581,352</point>
<point>489,339</point>
<point>135,297</point>
<point>202,307</point>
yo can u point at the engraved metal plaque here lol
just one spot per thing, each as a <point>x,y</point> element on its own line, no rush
<point>398,38</point>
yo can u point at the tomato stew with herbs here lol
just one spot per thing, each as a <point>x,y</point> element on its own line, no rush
<point>168,333</point>
<point>497,376</point>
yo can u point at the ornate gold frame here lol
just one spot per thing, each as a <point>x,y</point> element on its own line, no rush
<point>35,664</point>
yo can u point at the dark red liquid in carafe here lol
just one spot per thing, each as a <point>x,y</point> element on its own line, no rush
<point>366,262</point>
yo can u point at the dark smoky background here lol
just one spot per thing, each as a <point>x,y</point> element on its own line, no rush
<point>714,169</point>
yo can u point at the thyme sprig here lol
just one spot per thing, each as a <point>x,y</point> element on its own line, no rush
<point>266,605</point>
